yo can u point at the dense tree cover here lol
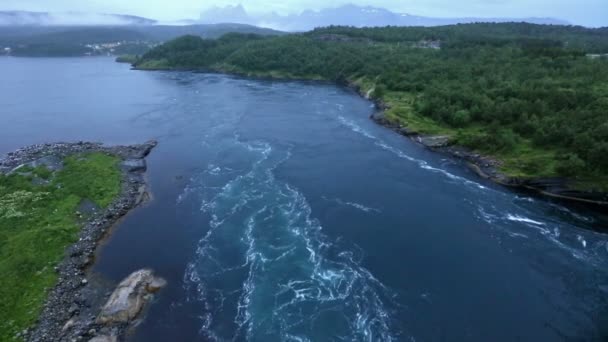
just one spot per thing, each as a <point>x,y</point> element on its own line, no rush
<point>497,85</point>
<point>577,37</point>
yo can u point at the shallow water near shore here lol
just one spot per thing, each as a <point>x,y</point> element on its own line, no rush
<point>281,212</point>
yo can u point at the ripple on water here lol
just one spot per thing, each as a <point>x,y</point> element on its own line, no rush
<point>575,245</point>
<point>266,271</point>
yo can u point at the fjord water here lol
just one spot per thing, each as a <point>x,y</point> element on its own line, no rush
<point>281,212</point>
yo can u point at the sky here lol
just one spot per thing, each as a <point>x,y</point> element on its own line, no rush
<point>580,12</point>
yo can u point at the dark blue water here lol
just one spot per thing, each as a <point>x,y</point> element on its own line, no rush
<point>282,213</point>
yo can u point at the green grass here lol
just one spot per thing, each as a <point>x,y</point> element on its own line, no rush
<point>154,65</point>
<point>37,223</point>
<point>401,110</point>
<point>524,160</point>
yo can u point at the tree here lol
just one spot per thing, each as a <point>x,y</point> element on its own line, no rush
<point>571,165</point>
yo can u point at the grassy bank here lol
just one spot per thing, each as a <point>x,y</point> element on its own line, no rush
<point>522,160</point>
<point>38,220</point>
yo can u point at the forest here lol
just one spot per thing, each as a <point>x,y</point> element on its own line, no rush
<point>533,96</point>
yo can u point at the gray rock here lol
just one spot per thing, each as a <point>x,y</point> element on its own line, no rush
<point>53,163</point>
<point>87,207</point>
<point>103,338</point>
<point>407,131</point>
<point>132,165</point>
<point>142,195</point>
<point>434,141</point>
<point>68,325</point>
<point>378,116</point>
<point>129,298</point>
<point>74,309</point>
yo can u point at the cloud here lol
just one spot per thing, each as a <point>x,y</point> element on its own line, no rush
<point>586,12</point>
<point>62,18</point>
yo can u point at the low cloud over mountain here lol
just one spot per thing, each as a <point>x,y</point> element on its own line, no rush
<point>350,15</point>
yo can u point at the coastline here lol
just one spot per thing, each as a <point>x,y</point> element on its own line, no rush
<point>557,188</point>
<point>487,167</point>
<point>72,305</point>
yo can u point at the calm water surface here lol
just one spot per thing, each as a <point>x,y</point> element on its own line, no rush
<point>281,212</point>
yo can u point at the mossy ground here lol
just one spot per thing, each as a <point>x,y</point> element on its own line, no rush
<point>37,223</point>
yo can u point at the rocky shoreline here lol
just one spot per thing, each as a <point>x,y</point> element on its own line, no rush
<point>73,304</point>
<point>558,188</point>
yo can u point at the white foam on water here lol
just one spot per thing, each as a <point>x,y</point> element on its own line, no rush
<point>214,170</point>
<point>353,126</point>
<point>421,163</point>
<point>518,218</point>
<point>355,205</point>
<point>579,217</point>
<point>568,238</point>
<point>289,277</point>
<point>363,207</point>
<point>185,193</point>
<point>581,240</point>
<point>525,199</point>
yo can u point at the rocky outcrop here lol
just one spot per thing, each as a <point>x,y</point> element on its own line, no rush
<point>130,297</point>
<point>380,118</point>
<point>124,307</point>
<point>431,141</point>
<point>134,165</point>
<point>73,304</point>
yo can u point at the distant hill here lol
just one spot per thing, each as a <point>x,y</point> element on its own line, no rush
<point>84,40</point>
<point>347,15</point>
<point>24,18</point>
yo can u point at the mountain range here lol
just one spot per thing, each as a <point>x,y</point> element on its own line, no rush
<point>347,15</point>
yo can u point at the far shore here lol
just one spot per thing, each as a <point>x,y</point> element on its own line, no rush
<point>487,167</point>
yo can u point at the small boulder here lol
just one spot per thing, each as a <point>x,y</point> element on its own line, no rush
<point>130,297</point>
<point>434,141</point>
<point>406,131</point>
<point>378,117</point>
<point>68,325</point>
<point>142,195</point>
<point>52,162</point>
<point>134,165</point>
<point>103,338</point>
